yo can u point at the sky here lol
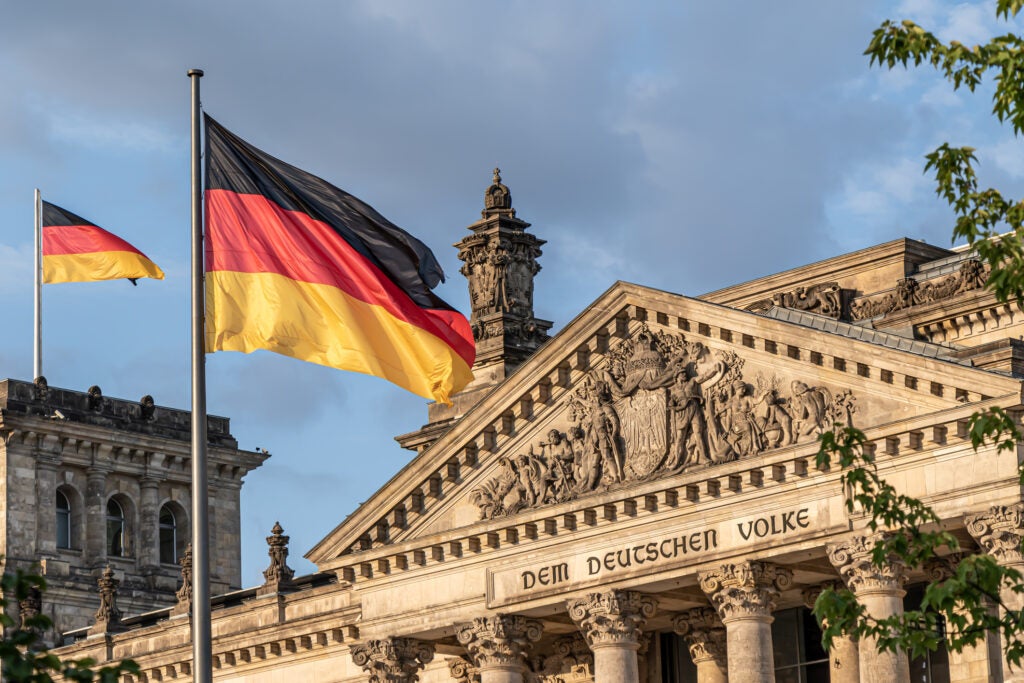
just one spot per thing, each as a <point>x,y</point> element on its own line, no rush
<point>685,145</point>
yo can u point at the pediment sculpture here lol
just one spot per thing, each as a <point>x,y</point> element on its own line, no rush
<point>662,405</point>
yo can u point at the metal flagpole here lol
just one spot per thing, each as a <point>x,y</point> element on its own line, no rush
<point>37,269</point>
<point>202,651</point>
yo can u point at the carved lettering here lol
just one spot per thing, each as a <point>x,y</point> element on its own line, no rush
<point>774,525</point>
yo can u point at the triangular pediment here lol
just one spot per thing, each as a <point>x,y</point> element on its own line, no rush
<point>645,385</point>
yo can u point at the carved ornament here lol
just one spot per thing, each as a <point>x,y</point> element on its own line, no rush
<point>462,670</point>
<point>569,661</point>
<point>501,640</point>
<point>745,589</point>
<point>705,635</point>
<point>108,616</point>
<point>184,595</point>
<point>393,660</point>
<point>910,292</point>
<point>823,299</point>
<point>660,406</point>
<point>614,617</point>
<point>278,573</point>
<point>1000,532</point>
<point>853,560</point>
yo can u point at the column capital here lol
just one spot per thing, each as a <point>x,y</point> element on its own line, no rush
<point>393,660</point>
<point>705,635</point>
<point>499,642</point>
<point>745,590</point>
<point>999,531</point>
<point>462,670</point>
<point>614,617</point>
<point>853,560</point>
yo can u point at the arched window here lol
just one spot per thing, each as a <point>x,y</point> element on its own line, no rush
<point>63,521</point>
<point>168,536</point>
<point>116,524</point>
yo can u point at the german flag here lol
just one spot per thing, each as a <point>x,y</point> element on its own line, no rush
<point>75,250</point>
<point>297,266</point>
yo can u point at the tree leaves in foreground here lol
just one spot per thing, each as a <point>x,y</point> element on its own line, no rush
<point>23,654</point>
<point>955,612</point>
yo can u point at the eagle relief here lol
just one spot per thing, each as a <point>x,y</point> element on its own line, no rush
<point>660,406</point>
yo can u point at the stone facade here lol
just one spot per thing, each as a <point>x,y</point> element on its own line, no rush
<point>638,501</point>
<point>72,460</point>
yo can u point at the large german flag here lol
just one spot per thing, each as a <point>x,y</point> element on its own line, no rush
<point>75,250</point>
<point>297,266</point>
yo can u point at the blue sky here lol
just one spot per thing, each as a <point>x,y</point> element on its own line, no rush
<point>683,145</point>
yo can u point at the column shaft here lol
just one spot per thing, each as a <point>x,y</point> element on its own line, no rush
<point>148,548</point>
<point>96,518</point>
<point>46,511</point>
<point>844,661</point>
<point>749,644</point>
<point>615,663</point>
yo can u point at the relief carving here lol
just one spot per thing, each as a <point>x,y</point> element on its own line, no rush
<point>570,660</point>
<point>910,292</point>
<point>823,299</point>
<point>660,406</point>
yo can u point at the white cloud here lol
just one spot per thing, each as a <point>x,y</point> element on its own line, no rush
<point>1008,156</point>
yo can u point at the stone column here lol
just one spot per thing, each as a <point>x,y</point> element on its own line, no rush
<point>1000,532</point>
<point>96,517</point>
<point>148,547</point>
<point>972,664</point>
<point>704,633</point>
<point>612,622</point>
<point>744,596</point>
<point>843,656</point>
<point>393,660</point>
<point>880,591</point>
<point>46,502</point>
<point>499,645</point>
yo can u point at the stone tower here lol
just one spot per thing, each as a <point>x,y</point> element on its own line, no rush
<point>499,262</point>
<point>92,482</point>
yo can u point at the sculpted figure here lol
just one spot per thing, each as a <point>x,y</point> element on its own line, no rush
<point>741,427</point>
<point>809,409</point>
<point>774,421</point>
<point>604,430</point>
<point>532,473</point>
<point>686,401</point>
<point>560,459</point>
<point>586,465</point>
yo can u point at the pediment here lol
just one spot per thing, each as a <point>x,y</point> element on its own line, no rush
<point>644,385</point>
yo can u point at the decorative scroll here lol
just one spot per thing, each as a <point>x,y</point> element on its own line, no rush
<point>662,405</point>
<point>910,292</point>
<point>853,559</point>
<point>745,589</point>
<point>1000,532</point>
<point>502,640</point>
<point>612,617</point>
<point>393,660</point>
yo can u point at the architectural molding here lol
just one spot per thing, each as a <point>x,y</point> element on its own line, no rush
<point>393,660</point>
<point>501,641</point>
<point>745,590</point>
<point>614,617</point>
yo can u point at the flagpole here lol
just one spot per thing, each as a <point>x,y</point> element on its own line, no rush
<point>37,270</point>
<point>202,650</point>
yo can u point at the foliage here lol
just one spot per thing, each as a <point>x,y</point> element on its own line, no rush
<point>23,653</point>
<point>955,611</point>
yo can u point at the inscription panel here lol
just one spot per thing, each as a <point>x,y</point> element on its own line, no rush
<point>691,542</point>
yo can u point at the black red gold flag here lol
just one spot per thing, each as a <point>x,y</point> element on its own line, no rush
<point>300,267</point>
<point>76,250</point>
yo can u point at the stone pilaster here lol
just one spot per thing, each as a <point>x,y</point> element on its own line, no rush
<point>705,637</point>
<point>46,497</point>
<point>880,591</point>
<point>744,596</point>
<point>843,656</point>
<point>96,517</point>
<point>148,547</point>
<point>612,623</point>
<point>1000,531</point>
<point>393,660</point>
<point>499,645</point>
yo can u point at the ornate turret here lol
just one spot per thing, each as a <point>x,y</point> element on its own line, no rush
<point>499,261</point>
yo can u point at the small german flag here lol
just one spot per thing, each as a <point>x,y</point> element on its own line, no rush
<point>297,266</point>
<point>75,250</point>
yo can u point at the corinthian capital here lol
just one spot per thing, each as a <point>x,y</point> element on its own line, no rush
<point>1000,531</point>
<point>704,633</point>
<point>853,560</point>
<point>393,660</point>
<point>499,641</point>
<point>745,590</point>
<point>614,617</point>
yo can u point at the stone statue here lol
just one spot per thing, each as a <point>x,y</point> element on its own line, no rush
<point>686,401</point>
